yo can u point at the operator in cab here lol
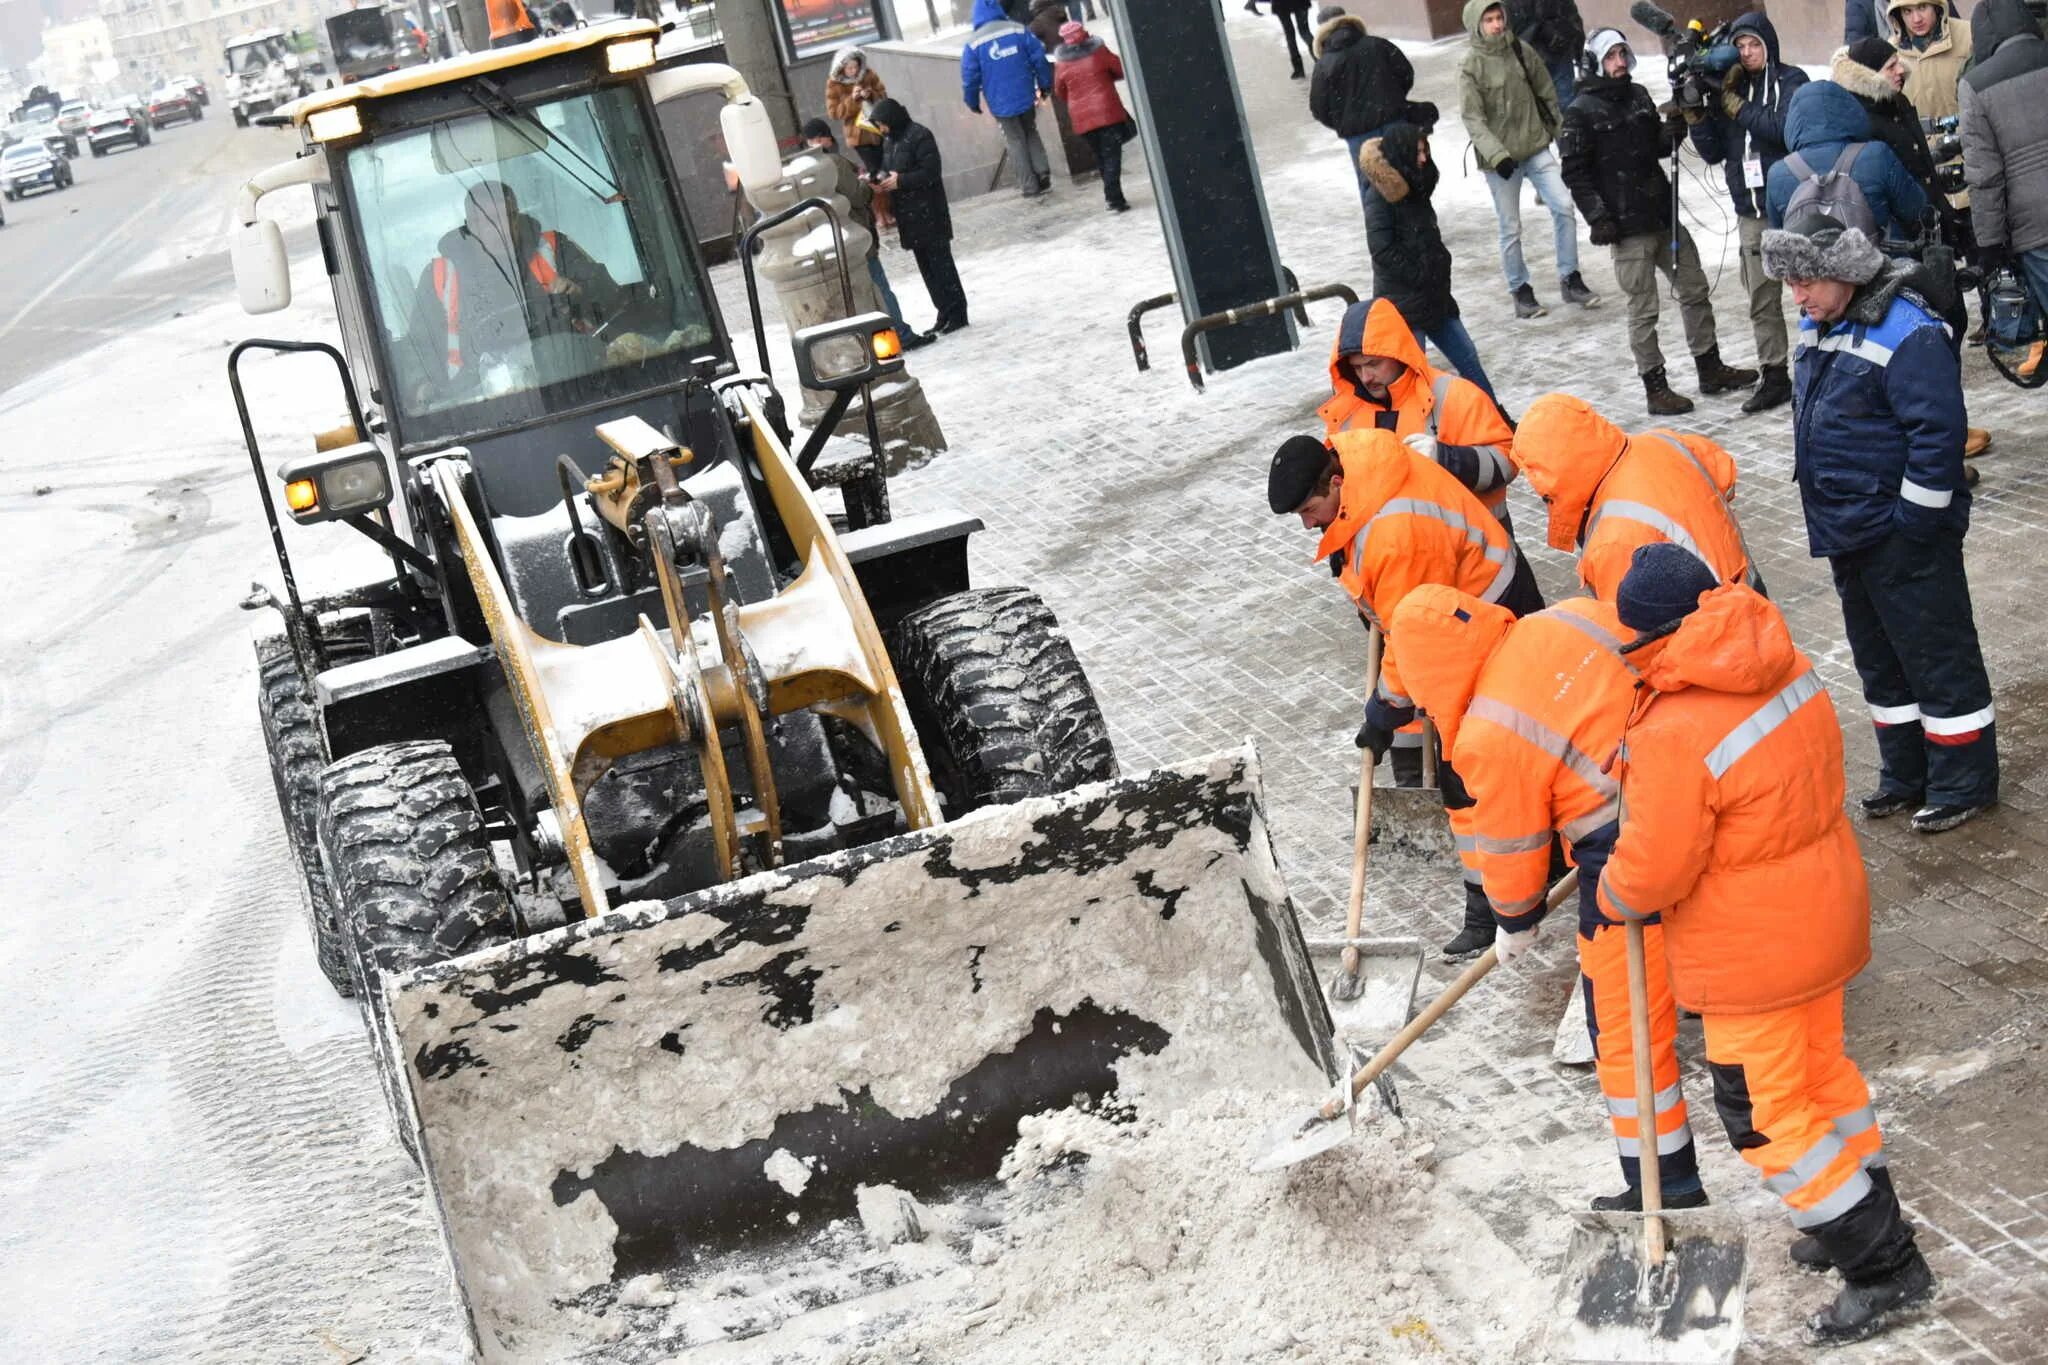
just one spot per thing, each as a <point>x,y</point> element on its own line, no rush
<point>500,289</point>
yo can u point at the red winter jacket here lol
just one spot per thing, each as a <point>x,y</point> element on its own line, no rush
<point>1084,78</point>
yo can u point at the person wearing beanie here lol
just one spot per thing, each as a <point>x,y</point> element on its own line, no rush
<point>1531,714</point>
<point>1878,455</point>
<point>1744,133</point>
<point>1732,832</point>
<point>851,184</point>
<point>1084,77</point>
<point>1511,114</point>
<point>1391,519</point>
<point>1360,87</point>
<point>915,174</point>
<point>1612,147</point>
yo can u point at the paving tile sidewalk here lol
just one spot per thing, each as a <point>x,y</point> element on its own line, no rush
<point>1137,508</point>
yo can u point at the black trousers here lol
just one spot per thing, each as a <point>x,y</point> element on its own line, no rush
<point>942,282</point>
<point>1109,154</point>
<point>1906,606</point>
<point>1289,21</point>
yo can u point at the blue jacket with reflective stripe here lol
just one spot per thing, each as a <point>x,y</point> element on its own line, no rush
<point>1003,61</point>
<point>1878,423</point>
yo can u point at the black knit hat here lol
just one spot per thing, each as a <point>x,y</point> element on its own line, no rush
<point>1871,52</point>
<point>817,127</point>
<point>1662,587</point>
<point>1298,467</point>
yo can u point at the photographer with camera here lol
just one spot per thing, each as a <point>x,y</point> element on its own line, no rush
<point>2004,104</point>
<point>1742,130</point>
<point>1613,144</point>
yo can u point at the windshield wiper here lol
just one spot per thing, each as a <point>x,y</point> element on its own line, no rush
<point>501,108</point>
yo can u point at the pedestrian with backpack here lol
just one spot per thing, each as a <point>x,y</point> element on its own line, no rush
<point>1510,111</point>
<point>1613,145</point>
<point>1833,168</point>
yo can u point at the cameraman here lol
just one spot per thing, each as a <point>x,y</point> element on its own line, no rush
<point>1743,128</point>
<point>2004,126</point>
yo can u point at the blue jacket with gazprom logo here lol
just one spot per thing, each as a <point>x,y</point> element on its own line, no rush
<point>1004,61</point>
<point>1878,423</point>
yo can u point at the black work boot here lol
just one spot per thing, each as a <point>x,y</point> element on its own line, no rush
<point>1883,805</point>
<point>1477,935</point>
<point>1526,305</point>
<point>1807,1253</point>
<point>1662,401</point>
<point>1718,378</point>
<point>1773,390</point>
<point>1407,765</point>
<point>1575,291</point>
<point>1630,1200</point>
<point>1864,1308</point>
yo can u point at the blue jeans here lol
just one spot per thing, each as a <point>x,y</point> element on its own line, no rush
<point>1542,171</point>
<point>2034,265</point>
<point>1456,343</point>
<point>884,292</point>
<point>1563,75</point>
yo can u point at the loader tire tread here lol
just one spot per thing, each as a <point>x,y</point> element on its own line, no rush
<point>1000,701</point>
<point>297,752</point>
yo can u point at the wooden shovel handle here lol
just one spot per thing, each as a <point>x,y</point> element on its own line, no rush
<point>1646,1095</point>
<point>1437,1008</point>
<point>1361,829</point>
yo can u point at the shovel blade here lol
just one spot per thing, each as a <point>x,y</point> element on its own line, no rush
<point>1411,821</point>
<point>1380,998</point>
<point>1613,1306</point>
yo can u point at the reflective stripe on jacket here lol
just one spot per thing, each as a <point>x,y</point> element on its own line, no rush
<point>1453,410</point>
<point>1731,816</point>
<point>1403,521</point>
<point>543,265</point>
<point>1531,713</point>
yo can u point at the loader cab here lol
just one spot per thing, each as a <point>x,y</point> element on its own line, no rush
<point>511,258</point>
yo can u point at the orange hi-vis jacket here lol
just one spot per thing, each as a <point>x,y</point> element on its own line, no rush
<point>1610,493</point>
<point>1531,713</point>
<point>1455,411</point>
<point>507,17</point>
<point>1731,816</point>
<point>542,265</point>
<point>1403,521</point>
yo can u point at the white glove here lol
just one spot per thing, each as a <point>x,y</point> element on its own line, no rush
<point>1422,443</point>
<point>1507,947</point>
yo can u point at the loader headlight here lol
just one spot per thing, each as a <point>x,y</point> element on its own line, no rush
<point>327,125</point>
<point>336,483</point>
<point>849,353</point>
<point>629,54</point>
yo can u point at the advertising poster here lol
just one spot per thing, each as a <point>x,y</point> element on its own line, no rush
<point>815,27</point>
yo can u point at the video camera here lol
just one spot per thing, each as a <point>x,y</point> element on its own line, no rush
<point>1945,146</point>
<point>1697,59</point>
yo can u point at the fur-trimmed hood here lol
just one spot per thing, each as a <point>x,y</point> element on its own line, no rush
<point>1327,31</point>
<point>1380,172</point>
<point>1859,80</point>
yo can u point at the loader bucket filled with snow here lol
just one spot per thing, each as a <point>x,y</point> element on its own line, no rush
<point>652,1131</point>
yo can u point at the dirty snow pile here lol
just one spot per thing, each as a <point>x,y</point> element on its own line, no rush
<point>1149,1241</point>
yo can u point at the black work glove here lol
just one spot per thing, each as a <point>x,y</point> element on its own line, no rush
<point>1381,720</point>
<point>1606,232</point>
<point>1507,167</point>
<point>1453,788</point>
<point>1372,737</point>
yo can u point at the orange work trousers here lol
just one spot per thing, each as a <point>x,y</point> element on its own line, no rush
<point>1795,1106</point>
<point>1603,964</point>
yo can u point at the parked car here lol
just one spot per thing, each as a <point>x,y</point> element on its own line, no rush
<point>194,87</point>
<point>111,128</point>
<point>170,104</point>
<point>27,167</point>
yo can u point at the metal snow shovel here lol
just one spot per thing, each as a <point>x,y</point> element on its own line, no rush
<point>1372,990</point>
<point>1650,1287</point>
<point>1330,1124</point>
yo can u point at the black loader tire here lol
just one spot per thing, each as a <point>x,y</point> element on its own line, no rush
<point>410,862</point>
<point>297,751</point>
<point>1000,703</point>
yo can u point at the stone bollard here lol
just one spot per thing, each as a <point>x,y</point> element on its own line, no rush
<point>800,259</point>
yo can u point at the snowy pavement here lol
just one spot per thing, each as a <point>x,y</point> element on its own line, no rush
<point>196,1164</point>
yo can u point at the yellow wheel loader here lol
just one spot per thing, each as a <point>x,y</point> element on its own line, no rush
<point>702,847</point>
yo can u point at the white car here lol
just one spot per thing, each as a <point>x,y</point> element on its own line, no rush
<point>27,167</point>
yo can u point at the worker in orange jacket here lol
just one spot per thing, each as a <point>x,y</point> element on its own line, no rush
<point>1392,520</point>
<point>1609,492</point>
<point>1531,713</point>
<point>1380,378</point>
<point>1732,827</point>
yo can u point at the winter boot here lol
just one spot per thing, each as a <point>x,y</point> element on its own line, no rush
<point>1526,305</point>
<point>1807,1253</point>
<point>1662,401</point>
<point>1630,1200</point>
<point>1941,819</point>
<point>1574,290</point>
<point>1865,1308</point>
<point>1883,805</point>
<point>1477,935</point>
<point>1774,389</point>
<point>1718,378</point>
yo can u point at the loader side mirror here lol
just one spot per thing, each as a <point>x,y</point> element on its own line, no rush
<point>750,142</point>
<point>263,277</point>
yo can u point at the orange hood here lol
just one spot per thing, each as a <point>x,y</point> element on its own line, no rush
<point>1377,328</point>
<point>1735,642</point>
<point>1565,449</point>
<point>1373,464</point>
<point>1446,638</point>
